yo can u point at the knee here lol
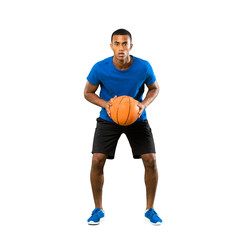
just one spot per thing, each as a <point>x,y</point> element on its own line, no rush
<point>149,160</point>
<point>98,160</point>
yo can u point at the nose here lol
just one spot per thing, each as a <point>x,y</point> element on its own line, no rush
<point>121,46</point>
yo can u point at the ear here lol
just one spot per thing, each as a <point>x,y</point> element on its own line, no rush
<point>111,46</point>
<point>131,45</point>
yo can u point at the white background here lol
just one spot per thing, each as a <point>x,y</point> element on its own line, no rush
<point>47,49</point>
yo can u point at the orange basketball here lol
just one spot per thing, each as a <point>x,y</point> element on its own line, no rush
<point>124,110</point>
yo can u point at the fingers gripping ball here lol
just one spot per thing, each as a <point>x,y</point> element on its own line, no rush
<point>124,110</point>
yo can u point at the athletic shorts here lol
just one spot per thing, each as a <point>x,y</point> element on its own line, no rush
<point>107,133</point>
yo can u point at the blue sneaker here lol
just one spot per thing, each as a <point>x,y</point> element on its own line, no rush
<point>152,217</point>
<point>97,216</point>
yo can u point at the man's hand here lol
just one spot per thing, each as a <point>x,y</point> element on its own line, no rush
<point>108,105</point>
<point>141,109</point>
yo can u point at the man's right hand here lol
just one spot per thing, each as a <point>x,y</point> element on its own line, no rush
<point>108,105</point>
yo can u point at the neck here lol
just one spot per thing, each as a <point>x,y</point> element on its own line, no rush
<point>122,64</point>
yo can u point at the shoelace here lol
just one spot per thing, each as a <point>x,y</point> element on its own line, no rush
<point>151,212</point>
<point>95,210</point>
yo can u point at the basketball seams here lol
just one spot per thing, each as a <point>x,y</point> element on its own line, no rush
<point>129,100</point>
<point>124,110</point>
<point>118,109</point>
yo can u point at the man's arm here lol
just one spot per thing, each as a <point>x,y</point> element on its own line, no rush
<point>91,96</point>
<point>152,93</point>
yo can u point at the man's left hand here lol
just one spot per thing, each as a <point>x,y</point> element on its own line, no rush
<point>141,109</point>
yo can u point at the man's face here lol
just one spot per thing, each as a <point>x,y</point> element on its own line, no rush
<point>121,46</point>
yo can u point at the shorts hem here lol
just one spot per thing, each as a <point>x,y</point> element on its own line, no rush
<point>138,156</point>
<point>111,157</point>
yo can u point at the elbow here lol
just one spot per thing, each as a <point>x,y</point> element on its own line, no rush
<point>157,88</point>
<point>86,94</point>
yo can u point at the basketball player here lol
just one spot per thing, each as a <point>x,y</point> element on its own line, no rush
<point>122,74</point>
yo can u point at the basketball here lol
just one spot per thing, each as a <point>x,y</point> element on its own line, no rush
<point>124,110</point>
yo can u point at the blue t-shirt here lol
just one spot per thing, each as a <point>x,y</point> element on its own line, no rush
<point>115,82</point>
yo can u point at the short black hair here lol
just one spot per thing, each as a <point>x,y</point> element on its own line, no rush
<point>122,31</point>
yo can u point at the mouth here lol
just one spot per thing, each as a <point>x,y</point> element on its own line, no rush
<point>121,54</point>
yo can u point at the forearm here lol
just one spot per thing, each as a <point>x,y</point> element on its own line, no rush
<point>150,96</point>
<point>95,99</point>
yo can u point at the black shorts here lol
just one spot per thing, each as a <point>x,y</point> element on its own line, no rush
<point>107,133</point>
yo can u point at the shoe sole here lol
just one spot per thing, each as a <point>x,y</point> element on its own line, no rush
<point>95,223</point>
<point>155,224</point>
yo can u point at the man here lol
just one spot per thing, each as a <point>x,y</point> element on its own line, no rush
<point>122,74</point>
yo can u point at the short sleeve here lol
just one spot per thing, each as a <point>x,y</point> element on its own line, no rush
<point>93,76</point>
<point>150,76</point>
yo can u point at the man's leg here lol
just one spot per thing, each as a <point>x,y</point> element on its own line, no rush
<point>151,177</point>
<point>97,177</point>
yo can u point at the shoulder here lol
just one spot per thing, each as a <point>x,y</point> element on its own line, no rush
<point>141,62</point>
<point>103,62</point>
<point>100,65</point>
